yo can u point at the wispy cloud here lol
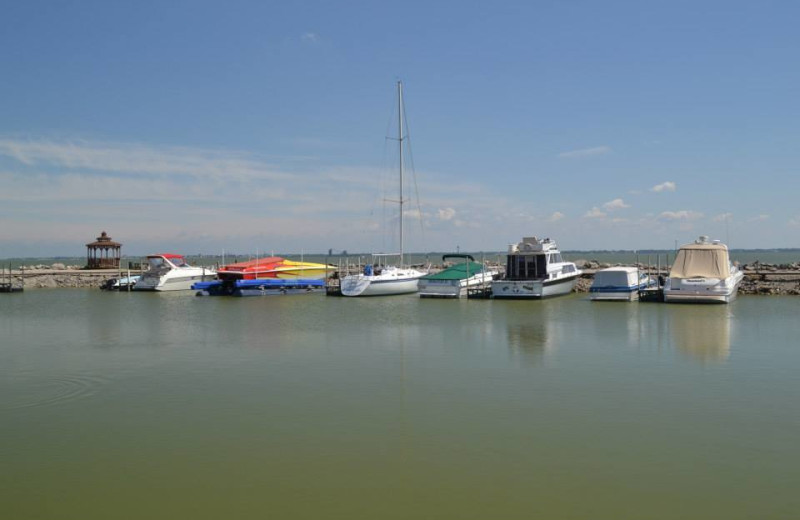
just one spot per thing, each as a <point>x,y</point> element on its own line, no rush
<point>723,217</point>
<point>585,152</point>
<point>595,212</point>
<point>309,37</point>
<point>131,158</point>
<point>555,217</point>
<point>446,214</point>
<point>664,186</point>
<point>758,218</point>
<point>178,195</point>
<point>683,214</point>
<point>615,204</point>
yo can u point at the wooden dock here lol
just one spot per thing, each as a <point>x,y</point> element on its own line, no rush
<point>11,283</point>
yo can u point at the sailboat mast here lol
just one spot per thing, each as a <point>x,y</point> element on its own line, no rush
<point>400,143</point>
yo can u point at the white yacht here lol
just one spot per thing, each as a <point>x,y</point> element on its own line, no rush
<point>383,280</point>
<point>454,281</point>
<point>169,272</point>
<point>620,284</point>
<point>703,273</point>
<point>535,269</point>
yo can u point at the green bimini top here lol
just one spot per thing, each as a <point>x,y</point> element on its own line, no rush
<point>456,272</point>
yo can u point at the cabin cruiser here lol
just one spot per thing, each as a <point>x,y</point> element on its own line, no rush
<point>170,272</point>
<point>703,273</point>
<point>620,284</point>
<point>455,280</point>
<point>535,269</point>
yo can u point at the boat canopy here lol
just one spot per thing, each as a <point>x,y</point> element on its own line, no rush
<point>458,271</point>
<point>701,261</point>
<point>616,277</point>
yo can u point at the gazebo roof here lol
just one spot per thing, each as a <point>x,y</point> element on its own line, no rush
<point>104,241</point>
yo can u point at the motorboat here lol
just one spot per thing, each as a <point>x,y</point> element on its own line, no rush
<point>378,278</point>
<point>259,287</point>
<point>456,280</point>
<point>535,269</point>
<point>620,284</point>
<point>703,273</point>
<point>170,272</point>
<point>273,267</point>
<point>120,284</point>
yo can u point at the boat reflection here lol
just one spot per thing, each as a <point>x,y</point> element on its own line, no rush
<point>530,332</point>
<point>701,332</point>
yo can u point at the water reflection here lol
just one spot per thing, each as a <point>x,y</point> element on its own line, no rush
<point>530,328</point>
<point>702,332</point>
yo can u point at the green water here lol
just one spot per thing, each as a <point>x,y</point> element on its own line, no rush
<point>131,405</point>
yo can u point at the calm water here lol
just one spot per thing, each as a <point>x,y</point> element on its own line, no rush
<point>171,406</point>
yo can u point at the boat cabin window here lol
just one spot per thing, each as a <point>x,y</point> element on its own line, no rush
<point>157,263</point>
<point>526,267</point>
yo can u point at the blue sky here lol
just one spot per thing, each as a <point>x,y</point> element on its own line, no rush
<point>202,126</point>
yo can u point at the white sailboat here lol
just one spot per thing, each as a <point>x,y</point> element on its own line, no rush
<point>379,279</point>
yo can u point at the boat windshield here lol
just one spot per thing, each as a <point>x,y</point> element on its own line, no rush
<point>157,263</point>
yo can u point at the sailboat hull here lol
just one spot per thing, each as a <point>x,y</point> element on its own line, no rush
<point>381,285</point>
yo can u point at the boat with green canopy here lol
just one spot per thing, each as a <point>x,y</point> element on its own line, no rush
<point>456,280</point>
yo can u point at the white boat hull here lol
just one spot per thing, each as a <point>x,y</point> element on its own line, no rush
<point>182,282</point>
<point>702,290</point>
<point>533,289</point>
<point>452,288</point>
<point>615,296</point>
<point>394,281</point>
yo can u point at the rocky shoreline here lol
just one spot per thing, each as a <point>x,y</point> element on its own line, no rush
<point>760,278</point>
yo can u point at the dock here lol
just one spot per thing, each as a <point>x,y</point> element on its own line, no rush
<point>11,283</point>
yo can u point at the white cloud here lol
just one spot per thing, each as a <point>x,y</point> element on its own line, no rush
<point>446,214</point>
<point>310,37</point>
<point>555,217</point>
<point>723,217</point>
<point>759,218</point>
<point>664,186</point>
<point>585,152</point>
<point>615,204</point>
<point>680,215</point>
<point>794,221</point>
<point>595,212</point>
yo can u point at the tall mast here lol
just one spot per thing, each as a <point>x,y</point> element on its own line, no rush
<point>400,141</point>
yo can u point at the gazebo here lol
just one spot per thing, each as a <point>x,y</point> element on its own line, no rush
<point>103,253</point>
